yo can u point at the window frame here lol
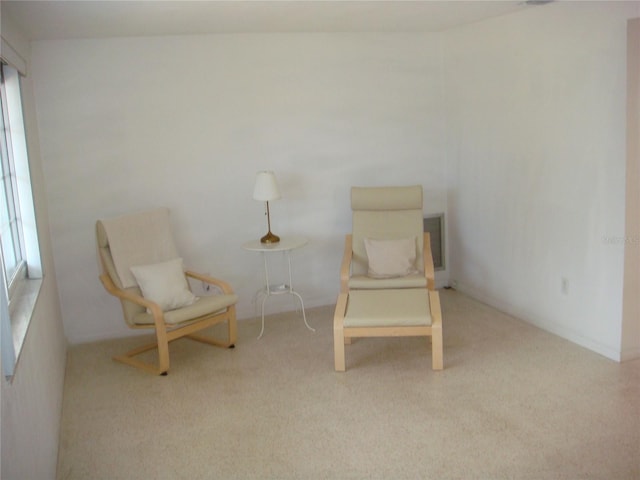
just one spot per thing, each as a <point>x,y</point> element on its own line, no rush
<point>19,293</point>
<point>10,189</point>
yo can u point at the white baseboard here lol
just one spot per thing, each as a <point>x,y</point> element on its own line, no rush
<point>544,324</point>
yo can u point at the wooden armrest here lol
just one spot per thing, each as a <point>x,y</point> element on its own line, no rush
<point>436,310</point>
<point>224,286</point>
<point>124,294</point>
<point>429,271</point>
<point>154,308</point>
<point>345,267</point>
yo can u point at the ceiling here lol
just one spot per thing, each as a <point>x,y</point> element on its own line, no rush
<point>62,19</point>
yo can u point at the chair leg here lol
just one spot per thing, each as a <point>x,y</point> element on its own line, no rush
<point>163,353</point>
<point>162,345</point>
<point>437,360</point>
<point>338,333</point>
<point>232,332</point>
<point>338,346</point>
<point>233,328</point>
<point>129,359</point>
<point>209,340</point>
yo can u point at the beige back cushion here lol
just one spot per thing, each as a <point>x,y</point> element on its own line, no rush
<point>130,310</point>
<point>385,213</point>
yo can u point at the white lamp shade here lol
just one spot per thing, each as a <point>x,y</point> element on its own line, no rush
<point>266,188</point>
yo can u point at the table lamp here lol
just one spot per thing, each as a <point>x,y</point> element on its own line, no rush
<point>265,190</point>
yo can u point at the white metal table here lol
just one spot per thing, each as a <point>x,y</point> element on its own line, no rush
<point>285,246</point>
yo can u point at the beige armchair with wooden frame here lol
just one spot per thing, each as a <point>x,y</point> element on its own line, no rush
<point>141,267</point>
<point>387,278</point>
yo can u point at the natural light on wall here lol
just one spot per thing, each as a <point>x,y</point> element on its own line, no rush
<point>21,273</point>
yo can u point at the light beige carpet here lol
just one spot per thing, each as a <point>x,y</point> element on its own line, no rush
<point>513,402</point>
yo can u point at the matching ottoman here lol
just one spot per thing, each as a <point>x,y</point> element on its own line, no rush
<point>388,313</point>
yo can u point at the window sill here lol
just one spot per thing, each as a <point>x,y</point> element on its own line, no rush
<point>21,310</point>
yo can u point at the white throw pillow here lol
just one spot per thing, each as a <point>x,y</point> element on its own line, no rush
<point>165,284</point>
<point>391,258</point>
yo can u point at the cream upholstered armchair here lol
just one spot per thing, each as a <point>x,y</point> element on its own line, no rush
<point>142,268</point>
<point>387,223</point>
<point>387,279</point>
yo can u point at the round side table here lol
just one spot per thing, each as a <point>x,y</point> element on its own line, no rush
<point>285,245</point>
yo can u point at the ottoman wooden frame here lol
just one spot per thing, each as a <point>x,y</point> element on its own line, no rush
<point>375,313</point>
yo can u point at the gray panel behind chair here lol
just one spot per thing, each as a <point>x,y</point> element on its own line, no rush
<point>434,225</point>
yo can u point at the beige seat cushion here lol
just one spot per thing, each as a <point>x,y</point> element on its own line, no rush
<point>203,306</point>
<point>361,282</point>
<point>387,308</point>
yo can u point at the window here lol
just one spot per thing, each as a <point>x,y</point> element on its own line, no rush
<point>10,231</point>
<point>21,271</point>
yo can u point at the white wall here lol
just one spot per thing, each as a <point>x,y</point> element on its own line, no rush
<point>32,400</point>
<point>520,138</point>
<point>535,113</point>
<point>631,296</point>
<point>187,121</point>
<point>536,125</point>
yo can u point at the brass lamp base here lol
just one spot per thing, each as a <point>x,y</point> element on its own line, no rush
<point>270,238</point>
